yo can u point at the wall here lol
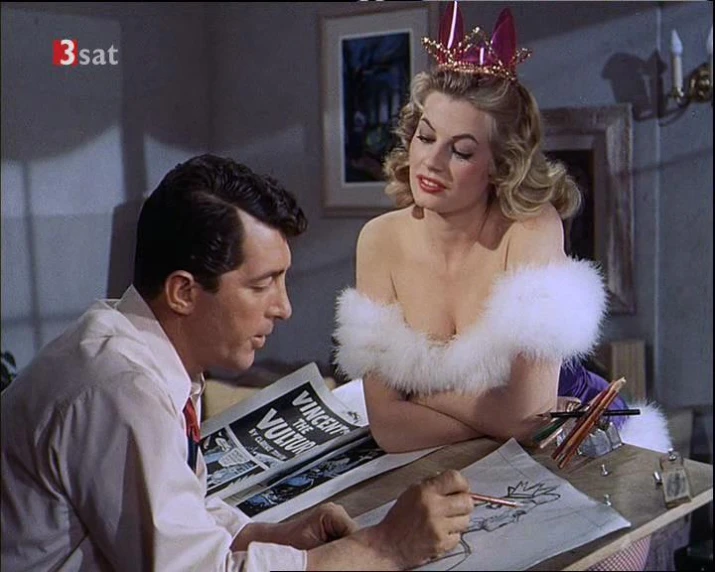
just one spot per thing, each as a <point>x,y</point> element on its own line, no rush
<point>243,79</point>
<point>684,304</point>
<point>267,114</point>
<point>82,145</point>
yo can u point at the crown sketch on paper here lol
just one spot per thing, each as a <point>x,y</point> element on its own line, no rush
<point>476,53</point>
<point>524,490</point>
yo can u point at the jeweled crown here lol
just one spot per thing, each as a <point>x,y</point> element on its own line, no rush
<point>477,53</point>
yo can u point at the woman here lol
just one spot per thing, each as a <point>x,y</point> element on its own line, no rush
<point>466,306</point>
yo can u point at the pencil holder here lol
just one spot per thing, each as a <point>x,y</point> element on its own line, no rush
<point>603,439</point>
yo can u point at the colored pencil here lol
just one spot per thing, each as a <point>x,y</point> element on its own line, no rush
<point>579,422</point>
<point>546,441</point>
<point>586,424</point>
<point>608,412</point>
<point>477,498</point>
<point>548,432</point>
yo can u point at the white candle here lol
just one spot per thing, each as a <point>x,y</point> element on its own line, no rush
<point>676,58</point>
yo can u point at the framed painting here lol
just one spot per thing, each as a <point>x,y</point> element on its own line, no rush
<point>595,143</point>
<point>368,60</point>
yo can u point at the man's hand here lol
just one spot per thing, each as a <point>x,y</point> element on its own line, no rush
<point>323,524</point>
<point>427,520</point>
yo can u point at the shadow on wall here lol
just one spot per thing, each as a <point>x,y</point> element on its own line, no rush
<point>638,82</point>
<point>79,147</point>
<point>644,84</point>
<point>121,256</point>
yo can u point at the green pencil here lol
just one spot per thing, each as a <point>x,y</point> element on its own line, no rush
<point>549,430</point>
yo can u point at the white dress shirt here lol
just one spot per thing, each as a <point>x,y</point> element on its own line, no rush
<point>94,458</point>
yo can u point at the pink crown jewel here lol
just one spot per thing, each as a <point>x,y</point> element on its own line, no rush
<point>476,53</point>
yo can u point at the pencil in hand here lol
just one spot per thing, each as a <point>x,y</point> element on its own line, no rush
<point>480,499</point>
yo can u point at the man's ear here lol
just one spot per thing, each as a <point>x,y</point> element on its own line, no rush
<point>181,291</point>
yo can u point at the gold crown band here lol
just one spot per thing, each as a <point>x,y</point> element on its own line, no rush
<point>452,59</point>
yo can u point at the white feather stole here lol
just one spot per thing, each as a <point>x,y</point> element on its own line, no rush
<point>648,430</point>
<point>550,312</point>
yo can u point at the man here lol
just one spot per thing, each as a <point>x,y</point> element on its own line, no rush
<point>96,471</point>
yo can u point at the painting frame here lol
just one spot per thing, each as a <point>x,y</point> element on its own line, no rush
<point>606,132</point>
<point>344,192</point>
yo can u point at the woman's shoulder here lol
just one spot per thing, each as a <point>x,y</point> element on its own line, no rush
<point>546,222</point>
<point>384,230</point>
<point>537,239</point>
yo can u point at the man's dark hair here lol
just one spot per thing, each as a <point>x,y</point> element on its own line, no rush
<point>190,221</point>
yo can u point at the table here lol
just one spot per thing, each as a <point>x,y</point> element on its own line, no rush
<point>630,484</point>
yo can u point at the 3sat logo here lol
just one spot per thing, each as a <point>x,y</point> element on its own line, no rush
<point>68,53</point>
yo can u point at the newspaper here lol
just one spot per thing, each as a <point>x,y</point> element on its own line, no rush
<point>274,432</point>
<point>293,445</point>
<point>553,516</point>
<point>318,479</point>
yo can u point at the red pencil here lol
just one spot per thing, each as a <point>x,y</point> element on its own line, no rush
<point>581,431</point>
<point>579,422</point>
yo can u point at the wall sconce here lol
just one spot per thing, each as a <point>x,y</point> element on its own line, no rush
<point>699,86</point>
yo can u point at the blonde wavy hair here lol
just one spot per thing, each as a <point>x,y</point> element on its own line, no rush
<point>523,179</point>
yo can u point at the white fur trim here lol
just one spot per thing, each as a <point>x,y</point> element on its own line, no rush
<point>649,430</point>
<point>550,312</point>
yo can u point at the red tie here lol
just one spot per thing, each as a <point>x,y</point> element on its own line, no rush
<point>193,433</point>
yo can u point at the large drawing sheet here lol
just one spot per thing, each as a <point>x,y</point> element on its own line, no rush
<point>555,516</point>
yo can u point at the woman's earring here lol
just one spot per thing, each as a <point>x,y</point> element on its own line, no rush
<point>418,212</point>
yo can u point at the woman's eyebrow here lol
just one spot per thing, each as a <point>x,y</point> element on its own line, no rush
<point>455,137</point>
